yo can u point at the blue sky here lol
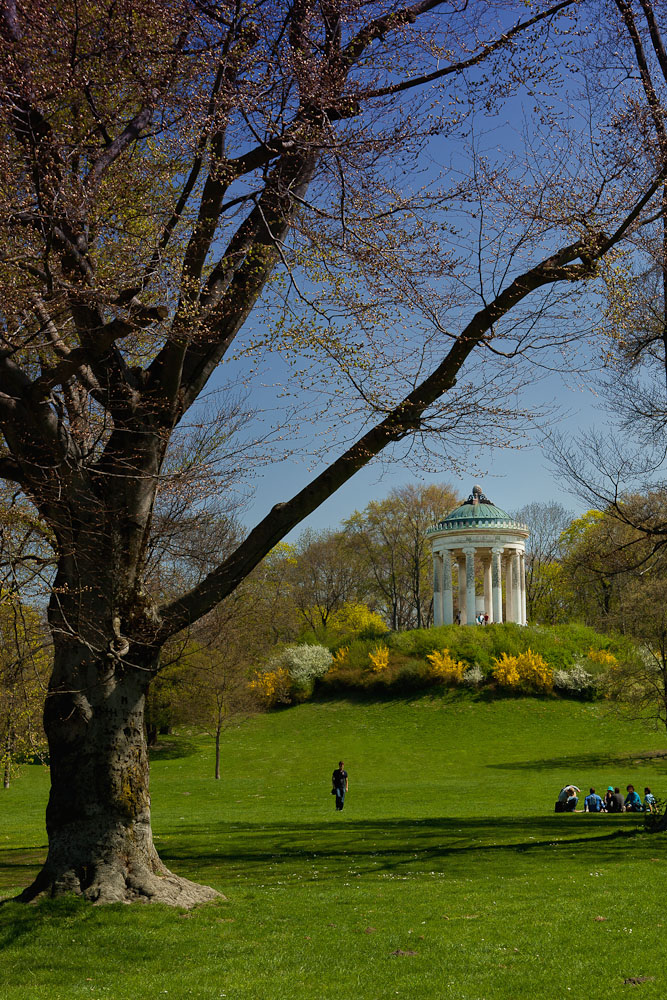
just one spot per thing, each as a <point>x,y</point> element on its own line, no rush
<point>511,477</point>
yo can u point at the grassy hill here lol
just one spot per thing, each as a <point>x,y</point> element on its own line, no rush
<point>447,875</point>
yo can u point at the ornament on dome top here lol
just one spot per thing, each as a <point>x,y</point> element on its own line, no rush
<point>477,496</point>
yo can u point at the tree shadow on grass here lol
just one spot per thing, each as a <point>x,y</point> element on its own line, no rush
<point>19,866</point>
<point>342,848</point>
<point>400,845</point>
<point>20,920</point>
<point>587,760</point>
<point>173,748</point>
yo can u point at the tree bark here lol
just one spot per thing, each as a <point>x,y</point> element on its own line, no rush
<point>98,815</point>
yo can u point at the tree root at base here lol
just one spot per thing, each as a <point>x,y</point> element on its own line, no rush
<point>115,883</point>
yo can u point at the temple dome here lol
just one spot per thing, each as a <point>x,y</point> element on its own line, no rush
<point>476,512</point>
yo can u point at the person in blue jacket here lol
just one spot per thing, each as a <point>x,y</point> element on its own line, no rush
<point>632,804</point>
<point>649,801</point>
<point>593,803</point>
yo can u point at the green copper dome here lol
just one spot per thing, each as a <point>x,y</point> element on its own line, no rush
<point>477,512</point>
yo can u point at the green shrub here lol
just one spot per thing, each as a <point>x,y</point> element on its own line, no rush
<point>359,650</point>
<point>412,677</point>
<point>559,645</point>
<point>420,642</point>
<point>478,648</point>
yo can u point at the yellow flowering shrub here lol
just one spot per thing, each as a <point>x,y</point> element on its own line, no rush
<point>603,657</point>
<point>353,618</point>
<point>506,671</point>
<point>445,667</point>
<point>272,686</point>
<point>341,657</point>
<point>527,671</point>
<point>379,658</point>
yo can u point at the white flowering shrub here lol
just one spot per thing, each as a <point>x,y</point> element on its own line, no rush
<point>473,676</point>
<point>651,661</point>
<point>303,664</point>
<point>577,680</point>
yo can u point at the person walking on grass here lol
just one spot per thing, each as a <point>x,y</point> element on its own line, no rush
<point>339,785</point>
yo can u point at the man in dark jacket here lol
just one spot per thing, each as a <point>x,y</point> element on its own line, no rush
<point>339,785</point>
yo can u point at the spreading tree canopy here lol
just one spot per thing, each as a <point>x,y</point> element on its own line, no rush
<point>189,190</point>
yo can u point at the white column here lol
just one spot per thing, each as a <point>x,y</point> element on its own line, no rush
<point>524,619</point>
<point>470,585</point>
<point>508,586</point>
<point>461,564</point>
<point>437,588</point>
<point>447,596</point>
<point>497,585</point>
<point>516,589</point>
<point>488,602</point>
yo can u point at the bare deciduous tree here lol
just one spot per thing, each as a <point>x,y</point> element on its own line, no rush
<point>325,574</point>
<point>547,522</point>
<point>390,535</point>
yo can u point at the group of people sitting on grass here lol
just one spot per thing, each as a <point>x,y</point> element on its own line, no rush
<point>613,802</point>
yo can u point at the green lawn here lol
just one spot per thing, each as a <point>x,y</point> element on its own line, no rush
<point>447,876</point>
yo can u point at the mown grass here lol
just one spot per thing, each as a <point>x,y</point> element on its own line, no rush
<point>448,853</point>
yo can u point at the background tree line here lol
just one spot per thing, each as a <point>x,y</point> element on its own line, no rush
<point>593,569</point>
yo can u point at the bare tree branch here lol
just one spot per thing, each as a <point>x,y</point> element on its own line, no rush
<point>402,420</point>
<point>130,134</point>
<point>464,64</point>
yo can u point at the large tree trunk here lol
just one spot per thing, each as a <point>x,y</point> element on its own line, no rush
<point>98,815</point>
